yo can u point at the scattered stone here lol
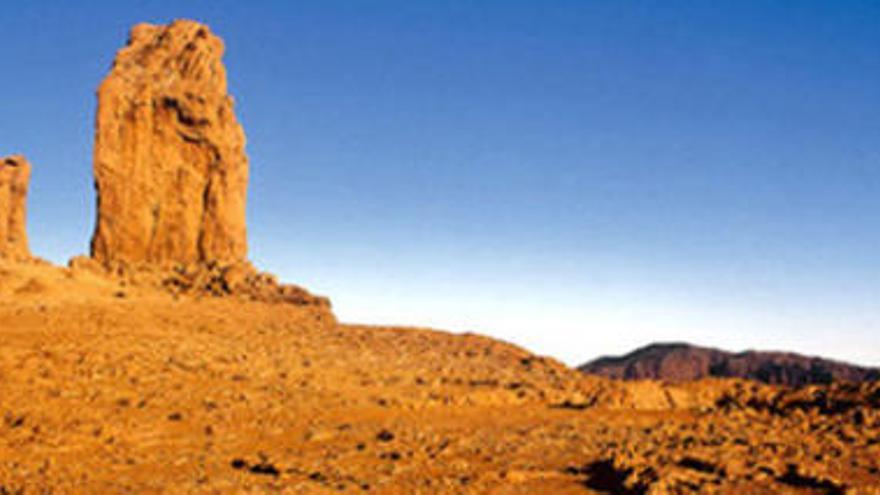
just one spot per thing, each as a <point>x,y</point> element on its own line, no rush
<point>605,476</point>
<point>698,465</point>
<point>794,478</point>
<point>391,456</point>
<point>385,436</point>
<point>265,468</point>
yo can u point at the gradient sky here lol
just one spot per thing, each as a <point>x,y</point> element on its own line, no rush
<point>576,177</point>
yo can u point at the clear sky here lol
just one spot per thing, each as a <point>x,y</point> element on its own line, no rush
<point>577,177</point>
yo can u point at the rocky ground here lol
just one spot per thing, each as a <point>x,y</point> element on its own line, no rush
<point>112,387</point>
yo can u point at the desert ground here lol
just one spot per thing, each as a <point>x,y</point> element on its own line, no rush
<point>164,362</point>
<point>113,386</point>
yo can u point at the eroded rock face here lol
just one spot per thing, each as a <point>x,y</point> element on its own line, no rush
<point>15,174</point>
<point>171,173</point>
<point>170,168</point>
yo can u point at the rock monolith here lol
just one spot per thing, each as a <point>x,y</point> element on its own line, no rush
<point>171,172</point>
<point>170,168</point>
<point>15,174</point>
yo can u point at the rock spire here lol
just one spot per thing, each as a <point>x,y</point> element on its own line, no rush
<point>15,174</point>
<point>170,168</point>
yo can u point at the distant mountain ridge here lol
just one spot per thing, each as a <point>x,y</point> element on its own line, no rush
<point>679,361</point>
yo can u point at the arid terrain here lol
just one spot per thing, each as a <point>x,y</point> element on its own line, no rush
<point>110,386</point>
<point>165,362</point>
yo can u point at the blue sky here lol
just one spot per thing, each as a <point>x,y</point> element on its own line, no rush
<point>576,177</point>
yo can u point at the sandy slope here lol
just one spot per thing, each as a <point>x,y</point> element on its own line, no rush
<point>107,388</point>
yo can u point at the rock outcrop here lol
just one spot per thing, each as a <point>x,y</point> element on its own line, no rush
<point>171,172</point>
<point>684,362</point>
<point>170,168</point>
<point>15,174</point>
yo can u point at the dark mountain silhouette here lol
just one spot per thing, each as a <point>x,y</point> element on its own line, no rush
<point>682,362</point>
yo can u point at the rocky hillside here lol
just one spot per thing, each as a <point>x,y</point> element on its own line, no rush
<point>116,385</point>
<point>682,362</point>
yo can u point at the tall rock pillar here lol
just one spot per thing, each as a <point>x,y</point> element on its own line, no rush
<point>170,168</point>
<point>15,175</point>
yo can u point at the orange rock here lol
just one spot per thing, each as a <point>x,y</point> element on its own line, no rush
<point>15,174</point>
<point>170,168</point>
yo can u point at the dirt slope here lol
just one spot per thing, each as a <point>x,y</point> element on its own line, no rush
<point>111,388</point>
<point>118,389</point>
